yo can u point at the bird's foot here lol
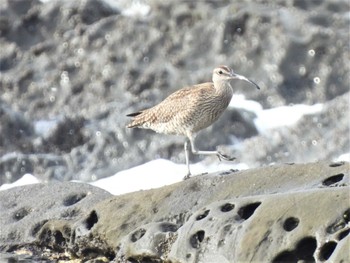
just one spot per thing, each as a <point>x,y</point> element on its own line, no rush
<point>225,157</point>
<point>187,176</point>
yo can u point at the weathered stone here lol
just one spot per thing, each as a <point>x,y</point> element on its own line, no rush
<point>256,215</point>
<point>276,213</point>
<point>41,213</point>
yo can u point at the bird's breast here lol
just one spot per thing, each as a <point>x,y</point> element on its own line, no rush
<point>210,109</point>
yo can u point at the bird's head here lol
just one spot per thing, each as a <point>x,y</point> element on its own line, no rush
<point>224,73</point>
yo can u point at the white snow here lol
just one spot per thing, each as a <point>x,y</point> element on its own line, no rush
<point>343,158</point>
<point>131,8</point>
<point>156,174</point>
<point>239,101</point>
<point>44,127</point>
<point>283,116</point>
<point>269,119</point>
<point>150,175</point>
<point>24,180</point>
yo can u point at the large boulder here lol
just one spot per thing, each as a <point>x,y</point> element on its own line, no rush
<point>281,213</point>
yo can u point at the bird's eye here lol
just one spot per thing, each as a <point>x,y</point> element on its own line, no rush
<point>220,72</point>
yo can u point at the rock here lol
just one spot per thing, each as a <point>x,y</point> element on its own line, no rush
<point>319,136</point>
<point>257,215</point>
<point>89,64</point>
<point>271,214</point>
<point>27,213</point>
<point>15,130</point>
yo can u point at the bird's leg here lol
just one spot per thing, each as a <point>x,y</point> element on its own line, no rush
<point>187,154</point>
<point>217,153</point>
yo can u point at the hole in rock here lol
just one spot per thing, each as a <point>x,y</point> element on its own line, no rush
<point>204,215</point>
<point>339,224</point>
<point>45,236</point>
<point>14,235</point>
<point>168,227</point>
<point>67,231</point>
<point>144,259</point>
<point>91,220</point>
<point>72,237</point>
<point>133,260</point>
<point>327,250</point>
<point>58,238</point>
<point>343,234</point>
<point>290,223</point>
<point>73,199</point>
<point>285,256</point>
<point>96,252</point>
<point>53,239</point>
<point>197,238</point>
<point>70,213</point>
<point>227,207</point>
<point>335,227</point>
<point>333,179</point>
<point>20,213</point>
<point>138,234</point>
<point>195,187</point>
<point>305,248</point>
<point>247,211</point>
<point>36,228</point>
<point>124,226</point>
<point>90,252</point>
<point>346,216</point>
<point>227,228</point>
<point>336,164</point>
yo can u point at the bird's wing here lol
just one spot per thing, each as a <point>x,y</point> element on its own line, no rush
<point>180,104</point>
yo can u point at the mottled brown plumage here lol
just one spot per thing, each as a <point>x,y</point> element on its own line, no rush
<point>191,109</point>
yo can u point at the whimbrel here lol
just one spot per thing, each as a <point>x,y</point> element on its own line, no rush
<point>191,109</point>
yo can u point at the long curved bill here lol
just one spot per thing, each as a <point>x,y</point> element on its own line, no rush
<point>237,76</point>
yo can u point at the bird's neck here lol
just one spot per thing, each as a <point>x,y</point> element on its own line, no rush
<point>223,87</point>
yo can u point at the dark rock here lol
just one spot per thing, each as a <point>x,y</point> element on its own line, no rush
<point>15,130</point>
<point>67,135</point>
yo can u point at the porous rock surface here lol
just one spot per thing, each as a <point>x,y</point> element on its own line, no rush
<point>77,68</point>
<point>282,213</point>
<point>26,210</point>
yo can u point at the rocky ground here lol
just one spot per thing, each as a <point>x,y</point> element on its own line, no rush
<point>281,213</point>
<point>72,70</point>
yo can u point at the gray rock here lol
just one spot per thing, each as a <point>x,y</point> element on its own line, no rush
<point>26,210</point>
<point>268,214</point>
<point>320,136</point>
<point>15,130</point>
<point>272,214</point>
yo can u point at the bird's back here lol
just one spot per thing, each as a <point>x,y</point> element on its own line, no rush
<point>187,110</point>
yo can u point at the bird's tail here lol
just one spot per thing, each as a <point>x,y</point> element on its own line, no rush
<point>136,121</point>
<point>134,114</point>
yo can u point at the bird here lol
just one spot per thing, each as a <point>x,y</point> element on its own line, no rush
<point>191,109</point>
